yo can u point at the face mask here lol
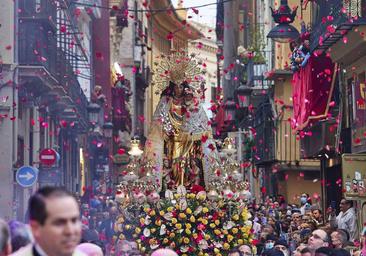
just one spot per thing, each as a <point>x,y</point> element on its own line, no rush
<point>269,246</point>
<point>303,200</point>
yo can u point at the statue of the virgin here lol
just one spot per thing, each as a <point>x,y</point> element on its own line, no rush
<point>180,138</point>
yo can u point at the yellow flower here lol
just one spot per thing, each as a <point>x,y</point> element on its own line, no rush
<point>170,209</point>
<point>174,220</point>
<point>186,240</point>
<point>153,230</point>
<point>142,221</point>
<point>225,232</point>
<point>128,227</point>
<point>178,226</point>
<point>152,213</point>
<point>192,219</point>
<point>184,254</point>
<point>189,211</point>
<point>204,221</point>
<point>143,249</point>
<point>188,232</point>
<point>195,236</point>
<point>165,241</point>
<point>236,217</point>
<point>152,241</point>
<point>161,213</point>
<point>240,241</point>
<point>137,230</point>
<point>121,237</point>
<point>158,223</point>
<point>207,237</point>
<point>234,230</point>
<point>189,226</point>
<point>216,250</point>
<point>172,235</point>
<point>230,238</point>
<point>212,225</point>
<point>182,215</point>
<point>217,232</point>
<point>217,222</point>
<point>205,210</point>
<point>147,209</point>
<point>226,246</point>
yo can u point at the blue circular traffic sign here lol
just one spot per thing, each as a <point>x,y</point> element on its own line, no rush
<point>26,176</point>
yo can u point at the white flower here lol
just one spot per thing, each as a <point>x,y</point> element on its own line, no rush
<point>162,229</point>
<point>146,232</point>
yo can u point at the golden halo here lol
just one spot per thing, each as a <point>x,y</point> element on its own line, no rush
<point>177,68</point>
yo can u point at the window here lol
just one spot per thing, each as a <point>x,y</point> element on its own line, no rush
<point>38,6</point>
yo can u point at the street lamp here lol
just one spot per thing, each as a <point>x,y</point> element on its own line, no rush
<point>284,32</point>
<point>93,112</point>
<point>230,107</point>
<point>243,93</point>
<point>135,149</point>
<point>108,130</point>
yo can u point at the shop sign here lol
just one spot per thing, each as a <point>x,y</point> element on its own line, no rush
<point>354,175</point>
<point>121,159</point>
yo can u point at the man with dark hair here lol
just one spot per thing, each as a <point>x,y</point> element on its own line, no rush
<point>5,245</point>
<point>317,215</point>
<point>55,223</point>
<point>346,219</point>
<point>323,251</point>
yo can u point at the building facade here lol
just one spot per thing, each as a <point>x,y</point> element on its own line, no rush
<point>43,71</point>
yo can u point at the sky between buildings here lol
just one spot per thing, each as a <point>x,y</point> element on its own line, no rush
<point>206,15</point>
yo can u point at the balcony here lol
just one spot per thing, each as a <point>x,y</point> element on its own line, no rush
<point>50,61</point>
<point>334,20</point>
<point>322,139</point>
<point>265,134</point>
<point>43,12</point>
<point>37,47</point>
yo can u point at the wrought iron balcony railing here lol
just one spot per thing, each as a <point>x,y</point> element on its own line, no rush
<point>60,53</point>
<point>334,19</point>
<point>37,47</point>
<point>265,134</point>
<point>40,11</point>
<point>322,139</point>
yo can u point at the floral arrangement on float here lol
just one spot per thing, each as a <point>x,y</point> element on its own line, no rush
<point>194,223</point>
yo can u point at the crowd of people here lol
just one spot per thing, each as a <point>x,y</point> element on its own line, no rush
<point>57,227</point>
<point>300,230</point>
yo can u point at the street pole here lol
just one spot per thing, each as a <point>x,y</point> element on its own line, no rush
<point>228,48</point>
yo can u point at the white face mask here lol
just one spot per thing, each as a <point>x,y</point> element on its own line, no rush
<point>269,245</point>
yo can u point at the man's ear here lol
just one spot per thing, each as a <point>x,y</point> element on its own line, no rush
<point>8,248</point>
<point>35,227</point>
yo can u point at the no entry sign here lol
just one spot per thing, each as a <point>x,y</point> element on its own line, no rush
<point>48,156</point>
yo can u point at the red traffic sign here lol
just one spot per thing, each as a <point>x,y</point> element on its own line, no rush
<point>48,156</point>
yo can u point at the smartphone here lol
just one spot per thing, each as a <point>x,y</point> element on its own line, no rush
<point>333,205</point>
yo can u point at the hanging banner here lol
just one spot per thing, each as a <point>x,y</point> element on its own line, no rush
<point>354,175</point>
<point>359,114</point>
